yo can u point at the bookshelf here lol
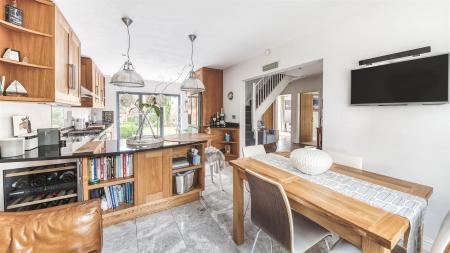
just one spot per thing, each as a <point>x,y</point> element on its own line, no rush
<point>220,143</point>
<point>111,178</point>
<point>153,178</point>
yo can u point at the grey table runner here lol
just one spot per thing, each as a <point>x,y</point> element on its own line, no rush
<point>406,205</point>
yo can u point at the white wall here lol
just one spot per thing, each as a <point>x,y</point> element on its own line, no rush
<point>40,115</point>
<point>408,142</point>
<point>150,87</point>
<point>307,84</point>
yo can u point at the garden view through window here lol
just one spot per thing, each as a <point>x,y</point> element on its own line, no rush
<point>166,124</point>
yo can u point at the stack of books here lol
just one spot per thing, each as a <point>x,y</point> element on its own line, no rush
<point>110,167</point>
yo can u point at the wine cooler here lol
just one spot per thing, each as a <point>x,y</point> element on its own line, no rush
<point>40,186</point>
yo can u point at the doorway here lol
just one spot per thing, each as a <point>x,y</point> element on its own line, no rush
<point>310,119</point>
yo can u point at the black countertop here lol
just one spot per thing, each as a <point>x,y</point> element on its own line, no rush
<point>109,147</point>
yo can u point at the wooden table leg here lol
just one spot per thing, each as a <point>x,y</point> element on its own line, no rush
<point>370,246</point>
<point>238,207</point>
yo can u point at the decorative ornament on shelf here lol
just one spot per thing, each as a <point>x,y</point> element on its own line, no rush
<point>13,14</point>
<point>127,76</point>
<point>192,84</point>
<point>311,161</point>
<point>11,54</point>
<point>16,89</point>
<point>151,105</point>
<point>25,59</point>
<point>2,85</point>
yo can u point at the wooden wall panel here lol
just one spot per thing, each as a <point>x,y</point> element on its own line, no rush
<point>212,97</point>
<point>306,117</point>
<point>267,117</point>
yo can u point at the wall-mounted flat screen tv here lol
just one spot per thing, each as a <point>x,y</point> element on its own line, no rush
<point>423,81</point>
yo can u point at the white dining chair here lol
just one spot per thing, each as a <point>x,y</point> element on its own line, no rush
<point>441,243</point>
<point>255,150</point>
<point>346,159</point>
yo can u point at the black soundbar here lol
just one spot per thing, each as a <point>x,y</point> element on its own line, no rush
<point>414,52</point>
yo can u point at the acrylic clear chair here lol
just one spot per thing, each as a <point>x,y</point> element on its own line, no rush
<point>271,213</point>
<point>255,150</point>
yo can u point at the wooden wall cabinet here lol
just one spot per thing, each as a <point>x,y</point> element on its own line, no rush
<point>52,71</point>
<point>94,81</point>
<point>212,97</point>
<point>67,62</point>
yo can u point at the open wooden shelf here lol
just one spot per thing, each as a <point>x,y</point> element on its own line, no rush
<point>122,206</point>
<point>24,99</point>
<point>111,182</point>
<point>41,201</point>
<point>23,29</point>
<point>228,142</point>
<point>46,2</point>
<point>194,190</point>
<point>226,128</point>
<point>190,167</point>
<point>24,64</point>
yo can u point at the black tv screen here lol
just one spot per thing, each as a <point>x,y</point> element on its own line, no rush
<point>423,80</point>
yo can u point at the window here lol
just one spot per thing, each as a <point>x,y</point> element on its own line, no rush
<point>192,111</point>
<point>129,119</point>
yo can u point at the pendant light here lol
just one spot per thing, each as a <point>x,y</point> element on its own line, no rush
<point>192,84</point>
<point>127,76</point>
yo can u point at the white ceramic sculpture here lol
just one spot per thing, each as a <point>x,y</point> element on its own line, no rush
<point>311,161</point>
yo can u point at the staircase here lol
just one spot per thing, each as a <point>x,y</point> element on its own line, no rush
<point>265,91</point>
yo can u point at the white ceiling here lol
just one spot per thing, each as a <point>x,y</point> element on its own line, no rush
<point>229,31</point>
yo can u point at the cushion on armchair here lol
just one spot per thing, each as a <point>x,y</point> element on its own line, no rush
<point>68,228</point>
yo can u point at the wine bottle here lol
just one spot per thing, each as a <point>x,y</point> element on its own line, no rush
<point>222,118</point>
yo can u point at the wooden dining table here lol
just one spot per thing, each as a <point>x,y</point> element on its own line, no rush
<point>369,228</point>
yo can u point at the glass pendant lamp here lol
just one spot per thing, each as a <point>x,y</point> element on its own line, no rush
<point>192,85</point>
<point>127,76</point>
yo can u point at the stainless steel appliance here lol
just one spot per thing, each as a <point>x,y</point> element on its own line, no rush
<point>48,136</point>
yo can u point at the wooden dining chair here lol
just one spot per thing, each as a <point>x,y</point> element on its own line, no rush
<point>346,159</point>
<point>271,213</point>
<point>440,245</point>
<point>255,150</point>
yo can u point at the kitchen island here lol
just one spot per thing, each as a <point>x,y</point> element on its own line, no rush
<point>135,181</point>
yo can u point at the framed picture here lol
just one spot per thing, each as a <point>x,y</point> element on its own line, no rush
<point>14,15</point>
<point>21,125</point>
<point>108,117</point>
<point>11,54</point>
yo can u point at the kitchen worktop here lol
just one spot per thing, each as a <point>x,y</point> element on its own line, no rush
<point>103,147</point>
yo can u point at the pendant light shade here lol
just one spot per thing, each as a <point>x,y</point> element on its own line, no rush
<point>127,76</point>
<point>192,84</point>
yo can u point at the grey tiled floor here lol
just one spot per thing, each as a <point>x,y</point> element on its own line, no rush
<point>190,228</point>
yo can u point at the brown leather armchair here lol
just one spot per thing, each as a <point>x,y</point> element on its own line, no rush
<point>69,228</point>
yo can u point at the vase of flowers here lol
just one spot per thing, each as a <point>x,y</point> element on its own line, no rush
<point>152,104</point>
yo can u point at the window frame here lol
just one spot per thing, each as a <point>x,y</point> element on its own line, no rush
<point>140,95</point>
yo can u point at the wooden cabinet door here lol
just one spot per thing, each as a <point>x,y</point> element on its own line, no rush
<point>74,66</point>
<point>148,176</point>
<point>62,36</point>
<point>67,62</point>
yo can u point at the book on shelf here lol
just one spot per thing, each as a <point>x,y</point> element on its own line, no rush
<point>115,195</point>
<point>110,167</point>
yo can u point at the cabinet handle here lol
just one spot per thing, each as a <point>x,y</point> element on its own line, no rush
<point>72,76</point>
